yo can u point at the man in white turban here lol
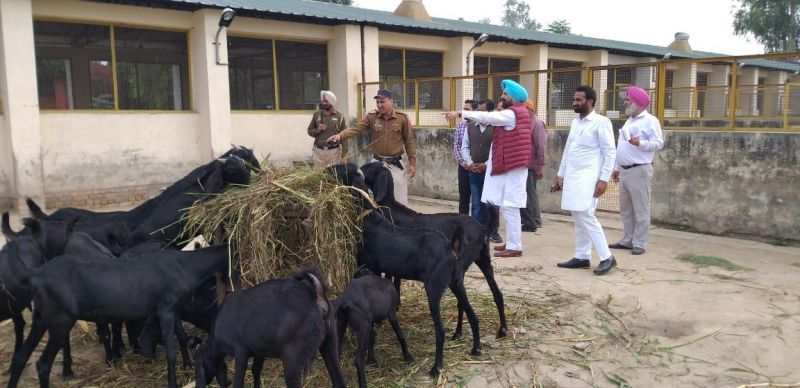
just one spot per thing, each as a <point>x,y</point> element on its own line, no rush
<point>326,123</point>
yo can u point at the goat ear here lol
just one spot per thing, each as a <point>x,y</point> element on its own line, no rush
<point>35,210</point>
<point>7,231</point>
<point>37,231</point>
<point>70,228</point>
<point>381,187</point>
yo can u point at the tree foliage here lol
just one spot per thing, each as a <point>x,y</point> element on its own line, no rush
<point>773,23</point>
<point>560,26</point>
<point>517,14</point>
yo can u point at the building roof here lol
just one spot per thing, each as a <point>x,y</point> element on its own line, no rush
<point>326,13</point>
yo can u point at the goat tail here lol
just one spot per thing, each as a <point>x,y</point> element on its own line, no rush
<point>6,227</point>
<point>35,210</point>
<point>318,290</point>
<point>457,240</point>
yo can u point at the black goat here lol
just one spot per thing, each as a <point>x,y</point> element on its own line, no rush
<point>74,287</point>
<point>415,254</point>
<point>474,237</point>
<point>15,293</point>
<point>288,319</point>
<point>368,300</point>
<point>161,217</point>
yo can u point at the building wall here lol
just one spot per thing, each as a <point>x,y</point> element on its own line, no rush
<point>281,136</point>
<point>716,182</point>
<point>6,168</point>
<point>116,152</point>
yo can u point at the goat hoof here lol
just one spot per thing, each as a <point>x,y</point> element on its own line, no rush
<point>456,336</point>
<point>409,358</point>
<point>372,361</point>
<point>434,373</point>
<point>502,332</point>
<point>67,374</point>
<point>475,352</point>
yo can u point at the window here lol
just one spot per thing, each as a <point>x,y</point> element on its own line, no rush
<point>402,64</point>
<point>760,96</point>
<point>669,81</point>
<point>152,69</point>
<point>702,83</point>
<point>563,84</point>
<point>302,72</point>
<point>75,70</point>
<point>251,74</point>
<point>492,65</point>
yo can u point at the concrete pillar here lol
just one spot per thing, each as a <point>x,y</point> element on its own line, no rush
<point>716,100</point>
<point>773,95</point>
<point>748,92</point>
<point>211,89</point>
<point>20,102</point>
<point>455,65</point>
<point>599,58</point>
<point>685,77</point>
<point>344,57</point>
<point>536,59</point>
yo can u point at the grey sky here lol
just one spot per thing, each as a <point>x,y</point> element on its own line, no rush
<point>708,22</point>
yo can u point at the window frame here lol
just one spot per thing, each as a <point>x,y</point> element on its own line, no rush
<point>404,105</point>
<point>112,41</point>
<point>275,77</point>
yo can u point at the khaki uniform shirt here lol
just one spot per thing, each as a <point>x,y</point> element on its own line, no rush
<point>388,135</point>
<point>335,123</point>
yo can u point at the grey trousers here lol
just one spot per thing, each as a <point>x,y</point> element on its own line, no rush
<point>634,205</point>
<point>531,216</point>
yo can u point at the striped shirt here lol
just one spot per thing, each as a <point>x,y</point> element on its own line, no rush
<point>461,129</point>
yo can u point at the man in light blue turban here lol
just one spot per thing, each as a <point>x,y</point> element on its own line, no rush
<point>507,166</point>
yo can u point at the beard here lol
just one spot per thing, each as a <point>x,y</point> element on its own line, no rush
<point>630,109</point>
<point>326,106</point>
<point>506,104</point>
<point>581,109</point>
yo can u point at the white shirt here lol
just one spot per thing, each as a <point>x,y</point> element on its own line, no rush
<point>465,151</point>
<point>648,129</point>
<point>503,118</point>
<point>588,157</point>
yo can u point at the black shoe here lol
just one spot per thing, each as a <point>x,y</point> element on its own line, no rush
<point>637,251</point>
<point>605,266</point>
<point>574,263</point>
<point>526,228</point>
<point>495,238</point>
<point>618,246</point>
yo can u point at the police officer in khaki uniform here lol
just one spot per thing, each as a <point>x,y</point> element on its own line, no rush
<point>326,122</point>
<point>390,134</point>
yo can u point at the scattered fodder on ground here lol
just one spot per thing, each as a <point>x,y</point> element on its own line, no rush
<point>710,261</point>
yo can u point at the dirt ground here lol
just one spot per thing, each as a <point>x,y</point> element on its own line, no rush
<point>654,321</point>
<point>684,326</point>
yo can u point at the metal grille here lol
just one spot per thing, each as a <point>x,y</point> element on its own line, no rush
<point>251,73</point>
<point>152,69</point>
<point>73,66</point>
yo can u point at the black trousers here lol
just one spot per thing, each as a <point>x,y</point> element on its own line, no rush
<point>531,216</point>
<point>463,190</point>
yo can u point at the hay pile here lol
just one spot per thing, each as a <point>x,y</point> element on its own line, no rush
<point>289,217</point>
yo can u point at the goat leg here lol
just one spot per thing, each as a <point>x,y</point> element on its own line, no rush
<point>240,359</point>
<point>330,354</point>
<point>58,333</point>
<point>166,318</point>
<point>66,364</point>
<point>19,330</point>
<point>459,324</point>
<point>400,336</point>
<point>435,293</point>
<point>105,338</point>
<point>21,357</point>
<point>183,343</point>
<point>117,346</point>
<point>461,294</point>
<point>363,337</point>
<point>485,265</point>
<point>258,366</point>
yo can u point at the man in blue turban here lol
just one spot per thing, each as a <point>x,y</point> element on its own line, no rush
<point>507,166</point>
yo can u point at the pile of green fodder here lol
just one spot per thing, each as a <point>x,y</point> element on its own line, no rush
<point>287,218</point>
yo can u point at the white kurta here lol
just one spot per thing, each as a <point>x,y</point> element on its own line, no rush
<point>588,157</point>
<point>506,189</point>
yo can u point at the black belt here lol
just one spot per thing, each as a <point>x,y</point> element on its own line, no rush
<point>393,160</point>
<point>328,147</point>
<point>633,165</point>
